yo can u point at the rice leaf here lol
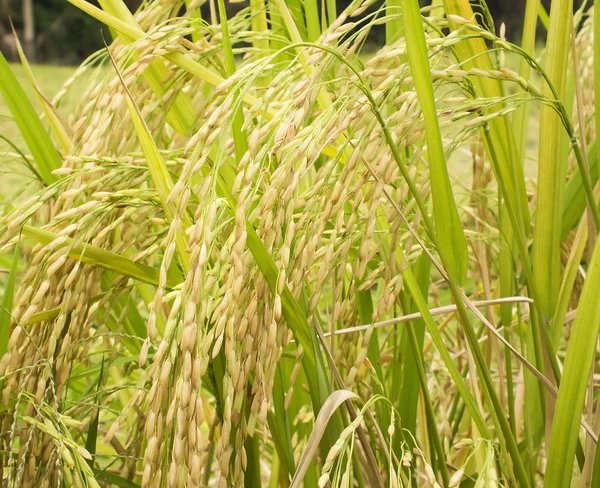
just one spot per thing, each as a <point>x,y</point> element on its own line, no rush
<point>114,479</point>
<point>96,256</point>
<point>333,402</point>
<point>407,389</point>
<point>551,169</point>
<point>571,394</point>
<point>7,303</point>
<point>160,177</point>
<point>92,436</point>
<point>436,337</point>
<point>393,27</point>
<point>448,227</point>
<point>521,116</point>
<point>575,198</point>
<point>568,281</point>
<point>58,125</point>
<point>37,139</point>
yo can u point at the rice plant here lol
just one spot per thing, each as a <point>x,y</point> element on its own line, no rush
<point>258,255</point>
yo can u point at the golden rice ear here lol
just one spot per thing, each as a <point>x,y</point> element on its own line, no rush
<point>265,258</point>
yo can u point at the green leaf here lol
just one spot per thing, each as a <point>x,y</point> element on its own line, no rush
<point>393,27</point>
<point>521,116</point>
<point>90,442</point>
<point>594,160</point>
<point>7,302</point>
<point>160,175</point>
<point>448,227</point>
<point>58,125</point>
<point>577,367</point>
<point>408,393</point>
<point>279,423</point>
<point>97,256</point>
<point>543,15</point>
<point>575,198</point>
<point>596,471</point>
<point>37,139</point>
<point>568,281</point>
<point>114,479</point>
<point>327,412</point>
<point>438,341</point>
<point>552,165</point>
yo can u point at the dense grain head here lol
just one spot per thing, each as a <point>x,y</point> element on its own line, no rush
<point>210,237</point>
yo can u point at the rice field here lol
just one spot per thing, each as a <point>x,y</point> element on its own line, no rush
<point>241,252</point>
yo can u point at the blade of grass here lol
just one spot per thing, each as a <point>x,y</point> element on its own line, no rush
<point>566,288</point>
<point>96,256</point>
<point>448,226</point>
<point>543,16</point>
<point>596,86</point>
<point>394,28</point>
<point>571,394</point>
<point>277,30</point>
<point>42,316</point>
<point>56,123</point>
<point>579,103</point>
<point>160,174</point>
<point>407,389</point>
<point>313,22</point>
<point>333,402</point>
<point>507,285</point>
<point>114,479</point>
<point>431,421</point>
<point>297,12</point>
<point>551,168</point>
<point>575,198</point>
<point>331,8</point>
<point>414,367</point>
<point>239,138</point>
<point>279,422</point>
<point>596,470</point>
<point>92,434</point>
<point>260,25</point>
<point>7,303</point>
<point>521,116</point>
<point>46,157</point>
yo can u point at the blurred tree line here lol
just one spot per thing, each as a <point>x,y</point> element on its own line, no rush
<point>51,30</point>
<point>55,30</point>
